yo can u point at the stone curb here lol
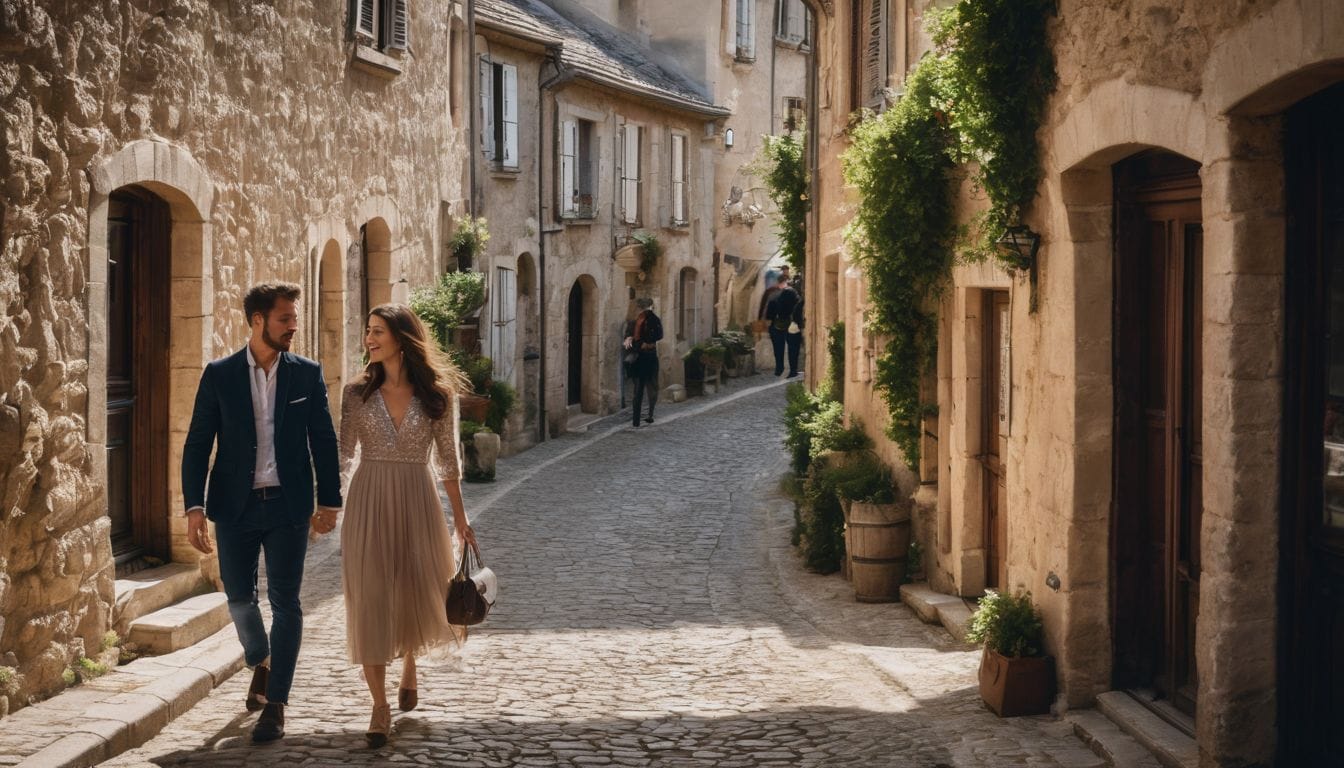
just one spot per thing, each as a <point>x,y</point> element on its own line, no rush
<point>139,700</point>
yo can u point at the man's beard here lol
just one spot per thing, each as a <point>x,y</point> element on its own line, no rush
<point>279,345</point>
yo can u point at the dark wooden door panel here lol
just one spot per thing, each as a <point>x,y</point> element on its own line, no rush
<point>994,312</point>
<point>575,383</point>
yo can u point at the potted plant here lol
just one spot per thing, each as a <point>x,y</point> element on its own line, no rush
<point>468,241</point>
<point>740,358</point>
<point>1016,677</point>
<point>480,451</point>
<point>650,249</point>
<point>446,304</point>
<point>474,405</point>
<point>877,527</point>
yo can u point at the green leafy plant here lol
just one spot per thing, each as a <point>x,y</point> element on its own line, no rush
<point>467,428</point>
<point>822,539</point>
<point>89,669</point>
<point>9,680</point>
<point>446,304</point>
<point>478,369</point>
<point>651,249</point>
<point>1007,624</point>
<point>783,170</point>
<point>469,238</point>
<point>835,350</point>
<point>110,640</point>
<point>503,397</point>
<point>800,406</point>
<point>866,479</point>
<point>737,342</point>
<point>68,676</point>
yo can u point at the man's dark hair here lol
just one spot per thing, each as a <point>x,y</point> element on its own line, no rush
<point>261,298</point>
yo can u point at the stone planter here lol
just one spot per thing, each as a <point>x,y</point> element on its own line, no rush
<point>1014,687</point>
<point>479,455</point>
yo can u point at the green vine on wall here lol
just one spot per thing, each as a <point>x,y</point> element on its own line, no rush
<point>978,97</point>
<point>784,173</point>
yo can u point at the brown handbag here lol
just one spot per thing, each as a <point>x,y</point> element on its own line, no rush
<point>467,603</point>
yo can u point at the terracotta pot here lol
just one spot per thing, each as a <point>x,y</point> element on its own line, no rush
<point>1014,687</point>
<point>473,407</point>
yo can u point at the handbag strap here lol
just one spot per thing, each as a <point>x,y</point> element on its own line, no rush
<point>471,562</point>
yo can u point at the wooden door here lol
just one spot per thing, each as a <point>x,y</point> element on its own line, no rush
<point>994,437</point>
<point>1311,636</point>
<point>1157,368</point>
<point>576,344</point>
<point>137,370</point>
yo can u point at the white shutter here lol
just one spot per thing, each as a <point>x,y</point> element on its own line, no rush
<point>874,62</point>
<point>503,326</point>
<point>365,18</point>
<point>509,115</point>
<point>631,175</point>
<point>678,179</point>
<point>795,21</point>
<point>569,141</point>
<point>487,94</point>
<point>746,29</point>
<point>401,26</point>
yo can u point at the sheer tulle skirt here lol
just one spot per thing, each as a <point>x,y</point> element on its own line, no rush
<point>397,559</point>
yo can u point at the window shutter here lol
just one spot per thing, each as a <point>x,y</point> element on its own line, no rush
<point>746,16</point>
<point>874,76</point>
<point>364,18</point>
<point>569,140</point>
<point>630,173</point>
<point>401,26</point>
<point>678,179</point>
<point>509,116</point>
<point>487,96</point>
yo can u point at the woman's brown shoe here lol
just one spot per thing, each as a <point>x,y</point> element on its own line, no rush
<point>407,699</point>
<point>380,725</point>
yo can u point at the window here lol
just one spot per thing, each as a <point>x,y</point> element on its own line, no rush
<point>746,30</point>
<point>795,22</point>
<point>631,174</point>
<point>381,24</point>
<point>679,203</point>
<point>499,112</point>
<point>577,156</point>
<point>688,308</point>
<point>793,114</point>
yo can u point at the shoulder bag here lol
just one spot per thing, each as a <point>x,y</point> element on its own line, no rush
<point>471,593</point>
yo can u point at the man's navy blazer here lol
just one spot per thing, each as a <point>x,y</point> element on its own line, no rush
<point>304,439</point>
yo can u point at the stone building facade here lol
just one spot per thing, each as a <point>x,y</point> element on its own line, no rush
<point>160,156</point>
<point>609,145</point>
<point>1160,483</point>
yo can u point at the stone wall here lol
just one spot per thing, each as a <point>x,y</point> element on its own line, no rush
<point>268,140</point>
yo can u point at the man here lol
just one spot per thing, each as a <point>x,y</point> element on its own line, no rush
<point>785,313</point>
<point>644,342</point>
<point>772,291</point>
<point>267,411</point>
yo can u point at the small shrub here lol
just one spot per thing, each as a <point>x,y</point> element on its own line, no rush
<point>799,408</point>
<point>648,242</point>
<point>865,479</point>
<point>467,428</point>
<point>469,239</point>
<point>69,677</point>
<point>835,349</point>
<point>9,680</point>
<point>89,669</point>
<point>503,397</point>
<point>1008,624</point>
<point>446,304</point>
<point>111,640</point>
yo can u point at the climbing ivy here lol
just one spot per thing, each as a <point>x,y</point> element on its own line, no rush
<point>976,99</point>
<point>784,173</point>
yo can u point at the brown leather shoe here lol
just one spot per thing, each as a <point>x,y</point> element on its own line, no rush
<point>271,725</point>
<point>256,692</point>
<point>407,699</point>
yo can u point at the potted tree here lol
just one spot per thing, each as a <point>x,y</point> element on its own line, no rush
<point>1016,677</point>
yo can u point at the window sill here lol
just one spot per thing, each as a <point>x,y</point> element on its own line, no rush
<point>802,46</point>
<point>678,227</point>
<point>507,174</point>
<point>740,59</point>
<point>578,221</point>
<point>374,62</point>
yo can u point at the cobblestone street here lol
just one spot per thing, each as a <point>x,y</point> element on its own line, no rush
<point>651,613</point>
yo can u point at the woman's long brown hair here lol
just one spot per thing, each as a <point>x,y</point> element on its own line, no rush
<point>433,376</point>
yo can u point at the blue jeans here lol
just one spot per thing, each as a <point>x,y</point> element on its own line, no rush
<point>264,525</point>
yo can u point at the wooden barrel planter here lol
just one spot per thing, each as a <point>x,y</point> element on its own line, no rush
<point>878,541</point>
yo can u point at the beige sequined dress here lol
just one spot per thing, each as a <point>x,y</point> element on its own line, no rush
<point>396,547</point>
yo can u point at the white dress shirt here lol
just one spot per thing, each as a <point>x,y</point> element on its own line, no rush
<point>263,416</point>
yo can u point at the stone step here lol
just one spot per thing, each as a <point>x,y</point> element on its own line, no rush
<point>1172,747</point>
<point>180,625</point>
<point>149,590</point>
<point>1111,744</point>
<point>578,423</point>
<point>937,608</point>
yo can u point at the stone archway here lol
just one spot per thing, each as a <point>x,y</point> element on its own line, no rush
<point>329,330</point>
<point>170,173</point>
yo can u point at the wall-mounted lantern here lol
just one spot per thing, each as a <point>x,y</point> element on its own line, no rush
<point>1020,245</point>
<point>728,138</point>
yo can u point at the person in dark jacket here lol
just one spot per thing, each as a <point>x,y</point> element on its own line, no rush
<point>263,411</point>
<point>643,341</point>
<point>785,313</point>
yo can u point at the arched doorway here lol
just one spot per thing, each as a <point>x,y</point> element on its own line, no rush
<point>1311,691</point>
<point>574,316</point>
<point>138,300</point>
<point>331,320</point>
<point>530,343</point>
<point>376,265</point>
<point>1158,464</point>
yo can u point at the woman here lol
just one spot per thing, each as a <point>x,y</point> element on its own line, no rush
<point>397,551</point>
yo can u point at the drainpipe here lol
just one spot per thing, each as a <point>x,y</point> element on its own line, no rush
<point>472,74</point>
<point>560,76</point>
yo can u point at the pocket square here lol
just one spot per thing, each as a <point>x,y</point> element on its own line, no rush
<point>300,400</point>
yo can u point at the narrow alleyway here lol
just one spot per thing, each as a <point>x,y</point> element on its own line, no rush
<point>651,613</point>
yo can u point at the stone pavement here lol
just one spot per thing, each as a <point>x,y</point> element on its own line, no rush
<point>651,613</point>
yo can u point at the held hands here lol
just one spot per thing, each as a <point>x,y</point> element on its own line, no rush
<point>629,342</point>
<point>324,520</point>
